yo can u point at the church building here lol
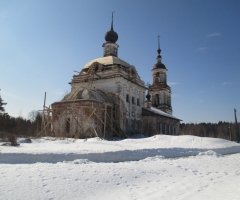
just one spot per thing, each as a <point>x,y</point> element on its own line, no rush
<point>108,98</point>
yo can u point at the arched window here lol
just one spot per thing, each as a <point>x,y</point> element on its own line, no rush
<point>163,78</point>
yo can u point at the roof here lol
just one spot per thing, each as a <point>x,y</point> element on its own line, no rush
<point>87,94</point>
<point>159,65</point>
<point>108,60</point>
<point>160,112</point>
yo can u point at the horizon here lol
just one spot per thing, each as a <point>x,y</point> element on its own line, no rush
<point>43,42</point>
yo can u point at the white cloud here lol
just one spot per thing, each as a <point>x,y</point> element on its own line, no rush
<point>226,83</point>
<point>204,48</point>
<point>172,83</point>
<point>214,35</point>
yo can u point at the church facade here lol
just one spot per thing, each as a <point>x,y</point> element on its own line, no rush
<point>108,98</point>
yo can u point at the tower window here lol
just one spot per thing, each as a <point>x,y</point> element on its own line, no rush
<point>133,100</point>
<point>138,103</point>
<point>127,98</point>
<point>157,99</point>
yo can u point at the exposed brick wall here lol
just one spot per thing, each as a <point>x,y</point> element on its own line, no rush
<point>78,112</point>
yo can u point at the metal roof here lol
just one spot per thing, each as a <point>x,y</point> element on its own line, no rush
<point>160,112</point>
<point>109,60</point>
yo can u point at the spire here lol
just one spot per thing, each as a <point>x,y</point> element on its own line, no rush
<point>159,57</point>
<point>159,50</point>
<point>110,46</point>
<point>111,35</point>
<point>112,21</point>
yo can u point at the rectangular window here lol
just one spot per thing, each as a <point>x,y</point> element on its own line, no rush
<point>127,98</point>
<point>138,103</point>
<point>132,100</point>
<point>165,129</point>
<point>160,129</point>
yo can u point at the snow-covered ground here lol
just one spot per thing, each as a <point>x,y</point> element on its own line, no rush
<point>159,167</point>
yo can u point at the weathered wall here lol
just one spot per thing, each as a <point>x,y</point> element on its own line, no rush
<point>125,89</point>
<point>117,89</point>
<point>69,118</point>
<point>152,125</point>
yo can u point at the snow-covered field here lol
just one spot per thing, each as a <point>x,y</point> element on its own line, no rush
<point>159,167</point>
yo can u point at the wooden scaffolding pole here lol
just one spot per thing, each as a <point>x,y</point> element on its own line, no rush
<point>101,115</point>
<point>105,120</point>
<point>43,114</point>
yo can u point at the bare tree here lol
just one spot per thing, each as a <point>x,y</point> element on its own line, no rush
<point>32,115</point>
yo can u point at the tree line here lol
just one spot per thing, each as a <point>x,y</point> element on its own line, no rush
<point>224,130</point>
<point>18,125</point>
<point>32,126</point>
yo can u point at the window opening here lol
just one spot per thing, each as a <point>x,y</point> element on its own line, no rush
<point>127,98</point>
<point>68,125</point>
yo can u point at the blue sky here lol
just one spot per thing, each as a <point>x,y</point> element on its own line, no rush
<point>42,42</point>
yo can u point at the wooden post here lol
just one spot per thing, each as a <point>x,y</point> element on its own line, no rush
<point>112,119</point>
<point>229,133</point>
<point>43,114</point>
<point>105,121</point>
<point>48,120</point>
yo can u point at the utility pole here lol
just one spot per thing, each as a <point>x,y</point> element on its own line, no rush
<point>237,133</point>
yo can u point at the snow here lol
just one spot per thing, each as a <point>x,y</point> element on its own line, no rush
<point>160,112</point>
<point>158,167</point>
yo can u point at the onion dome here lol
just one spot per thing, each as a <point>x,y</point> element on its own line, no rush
<point>159,65</point>
<point>111,35</point>
<point>159,58</point>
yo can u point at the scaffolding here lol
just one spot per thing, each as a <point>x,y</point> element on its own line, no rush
<point>107,115</point>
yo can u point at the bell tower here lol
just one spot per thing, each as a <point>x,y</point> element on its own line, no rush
<point>110,47</point>
<point>159,91</point>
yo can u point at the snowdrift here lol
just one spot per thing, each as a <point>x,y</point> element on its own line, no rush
<point>53,150</point>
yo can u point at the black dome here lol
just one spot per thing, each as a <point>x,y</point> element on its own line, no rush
<point>159,65</point>
<point>111,36</point>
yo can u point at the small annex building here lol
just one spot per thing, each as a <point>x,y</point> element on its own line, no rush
<point>108,98</point>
